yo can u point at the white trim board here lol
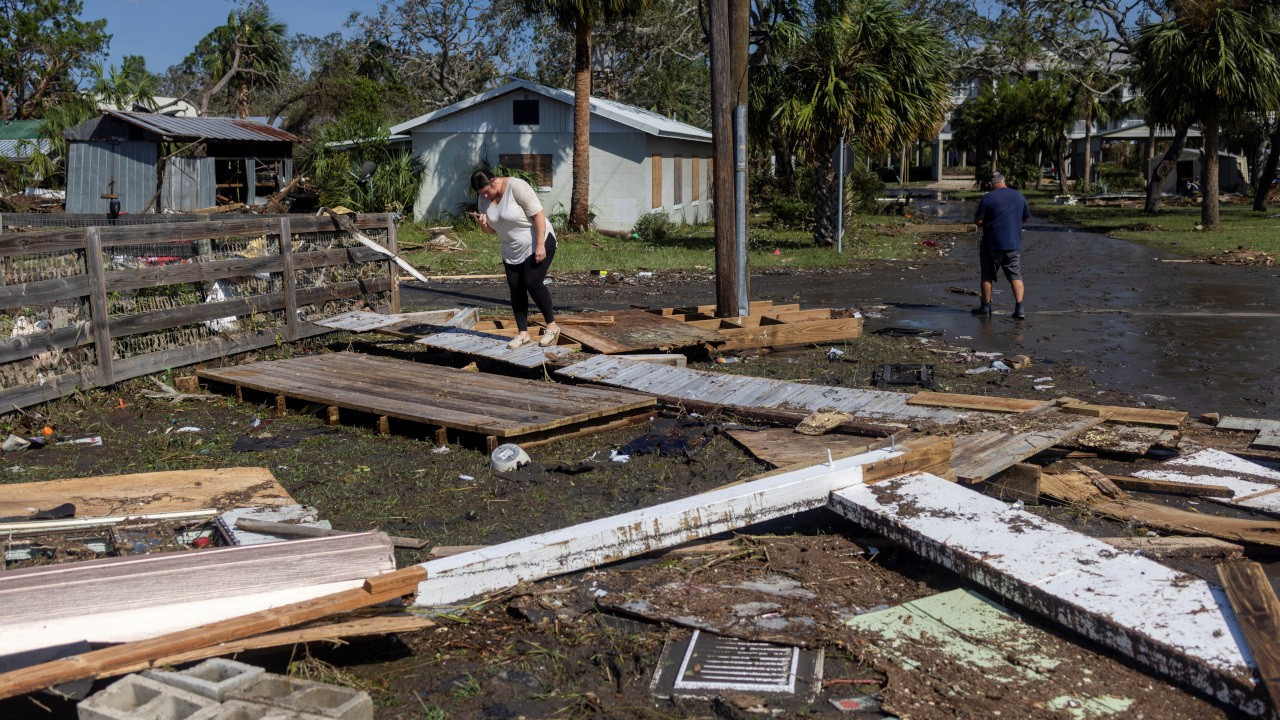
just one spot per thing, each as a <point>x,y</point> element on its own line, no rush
<point>465,575</point>
<point>1255,487</point>
<point>1172,623</point>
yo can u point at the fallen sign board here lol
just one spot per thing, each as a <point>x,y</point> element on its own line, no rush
<point>1183,627</point>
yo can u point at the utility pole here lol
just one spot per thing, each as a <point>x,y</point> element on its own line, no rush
<point>740,45</point>
<point>722,141</point>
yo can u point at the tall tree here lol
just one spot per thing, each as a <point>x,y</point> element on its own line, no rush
<point>124,86</point>
<point>863,70</point>
<point>1215,57</point>
<point>43,46</point>
<point>582,16</point>
<point>245,54</point>
<point>448,48</point>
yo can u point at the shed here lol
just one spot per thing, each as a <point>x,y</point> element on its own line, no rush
<point>640,161</point>
<point>1233,172</point>
<point>157,162</point>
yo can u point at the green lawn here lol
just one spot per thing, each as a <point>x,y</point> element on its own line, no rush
<point>1174,227</point>
<point>689,247</point>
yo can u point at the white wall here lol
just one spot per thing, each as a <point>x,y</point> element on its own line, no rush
<point>451,148</point>
<point>691,210</point>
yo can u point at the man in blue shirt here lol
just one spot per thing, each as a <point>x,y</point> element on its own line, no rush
<point>1001,214</point>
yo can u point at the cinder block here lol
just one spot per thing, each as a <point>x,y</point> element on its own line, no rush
<point>305,696</point>
<point>240,710</point>
<point>213,678</point>
<point>139,698</point>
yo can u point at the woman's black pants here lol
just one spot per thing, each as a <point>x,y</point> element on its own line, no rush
<point>525,280</point>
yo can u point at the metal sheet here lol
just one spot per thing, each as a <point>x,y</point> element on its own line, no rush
<point>208,128</point>
<point>91,168</point>
<point>189,184</point>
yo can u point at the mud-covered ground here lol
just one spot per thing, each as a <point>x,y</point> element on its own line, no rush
<point>560,648</point>
<point>557,649</point>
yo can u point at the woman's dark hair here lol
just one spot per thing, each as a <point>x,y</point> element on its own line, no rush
<point>480,178</point>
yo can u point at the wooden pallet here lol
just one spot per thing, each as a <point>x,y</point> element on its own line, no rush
<point>497,408</point>
<point>768,325</point>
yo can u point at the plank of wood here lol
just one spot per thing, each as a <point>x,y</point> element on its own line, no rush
<point>1102,482</point>
<point>284,529</point>
<point>1178,630</point>
<point>1030,433</point>
<point>108,661</point>
<point>782,446</point>
<point>332,632</point>
<point>788,334</point>
<point>1124,440</point>
<point>590,319</point>
<point>121,599</point>
<point>637,330</point>
<point>1258,611</point>
<point>43,292</point>
<point>152,492</point>
<point>99,310</point>
<point>1138,416</point>
<point>1253,486</point>
<point>1169,487</point>
<point>1180,547</point>
<point>1078,489</point>
<point>484,345</point>
<point>606,540</point>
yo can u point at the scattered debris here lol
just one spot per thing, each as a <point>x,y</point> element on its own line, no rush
<point>823,421</point>
<point>1243,256</point>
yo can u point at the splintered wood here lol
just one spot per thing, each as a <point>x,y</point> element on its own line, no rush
<point>982,455</point>
<point>152,492</point>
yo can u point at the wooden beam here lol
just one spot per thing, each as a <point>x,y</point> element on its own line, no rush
<point>1181,547</point>
<point>618,537</point>
<point>1171,623</point>
<point>1169,487</point>
<point>108,661</point>
<point>1258,612</point>
<point>289,277</point>
<point>98,308</point>
<point>1252,486</point>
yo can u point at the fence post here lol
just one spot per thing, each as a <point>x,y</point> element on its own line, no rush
<point>391,265</point>
<point>98,308</point>
<point>292,325</point>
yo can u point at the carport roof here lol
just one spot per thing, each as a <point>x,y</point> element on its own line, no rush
<point>204,128</point>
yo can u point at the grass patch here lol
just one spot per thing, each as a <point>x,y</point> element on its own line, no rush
<point>688,247</point>
<point>1174,227</point>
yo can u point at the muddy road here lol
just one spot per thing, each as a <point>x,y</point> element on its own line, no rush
<point>1201,337</point>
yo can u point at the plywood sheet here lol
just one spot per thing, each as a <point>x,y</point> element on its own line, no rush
<point>783,446</point>
<point>153,492</point>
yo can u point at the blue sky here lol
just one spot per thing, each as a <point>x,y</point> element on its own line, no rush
<point>165,31</point>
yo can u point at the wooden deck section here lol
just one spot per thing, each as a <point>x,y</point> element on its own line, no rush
<point>493,347</point>
<point>498,408</point>
<point>681,385</point>
<point>768,325</point>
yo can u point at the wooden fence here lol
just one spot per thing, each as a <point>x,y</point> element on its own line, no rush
<point>89,307</point>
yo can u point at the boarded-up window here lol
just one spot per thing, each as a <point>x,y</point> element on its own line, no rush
<point>678,174</point>
<point>655,174</point>
<point>696,195</point>
<point>539,165</point>
<point>524,112</point>
<point>711,178</point>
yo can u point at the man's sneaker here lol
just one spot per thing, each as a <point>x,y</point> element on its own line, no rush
<point>983,309</point>
<point>1017,312</point>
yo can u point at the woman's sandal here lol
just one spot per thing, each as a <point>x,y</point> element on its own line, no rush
<point>518,342</point>
<point>549,338</point>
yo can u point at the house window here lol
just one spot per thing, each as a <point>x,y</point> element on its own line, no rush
<point>655,173</point>
<point>678,174</point>
<point>696,177</point>
<point>538,165</point>
<point>524,112</point>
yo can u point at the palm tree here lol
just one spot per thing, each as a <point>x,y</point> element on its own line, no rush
<point>128,85</point>
<point>1214,58</point>
<point>864,70</point>
<point>579,17</point>
<point>249,49</point>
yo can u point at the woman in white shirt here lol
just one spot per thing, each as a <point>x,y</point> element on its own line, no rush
<point>510,208</point>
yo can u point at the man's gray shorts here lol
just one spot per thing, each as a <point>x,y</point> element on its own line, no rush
<point>994,260</point>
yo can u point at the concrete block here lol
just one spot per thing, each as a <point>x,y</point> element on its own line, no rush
<point>241,710</point>
<point>330,701</point>
<point>139,698</point>
<point>213,678</point>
